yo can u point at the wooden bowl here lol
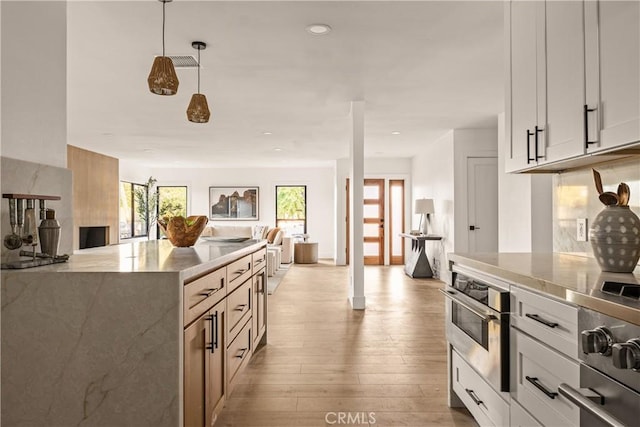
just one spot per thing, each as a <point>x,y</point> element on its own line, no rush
<point>183,232</point>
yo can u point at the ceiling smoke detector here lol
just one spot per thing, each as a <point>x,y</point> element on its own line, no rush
<point>318,29</point>
<point>184,61</point>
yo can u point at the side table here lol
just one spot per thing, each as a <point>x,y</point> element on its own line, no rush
<point>417,263</point>
<point>305,253</point>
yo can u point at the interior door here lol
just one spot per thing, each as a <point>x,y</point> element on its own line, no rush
<point>373,195</point>
<point>482,202</point>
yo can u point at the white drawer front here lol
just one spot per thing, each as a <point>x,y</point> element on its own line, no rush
<point>537,364</point>
<point>521,418</point>
<point>550,321</point>
<point>484,403</point>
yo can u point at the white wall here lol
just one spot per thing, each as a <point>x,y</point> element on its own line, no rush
<point>34,81</point>
<point>524,206</point>
<point>320,195</point>
<point>433,178</point>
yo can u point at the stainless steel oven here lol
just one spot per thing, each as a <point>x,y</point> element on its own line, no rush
<point>477,323</point>
<point>609,393</point>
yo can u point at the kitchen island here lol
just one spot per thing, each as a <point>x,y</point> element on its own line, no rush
<point>100,340</point>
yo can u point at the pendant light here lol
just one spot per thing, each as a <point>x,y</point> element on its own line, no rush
<point>198,110</point>
<point>162,78</point>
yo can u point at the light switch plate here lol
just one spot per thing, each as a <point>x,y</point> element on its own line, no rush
<point>581,229</point>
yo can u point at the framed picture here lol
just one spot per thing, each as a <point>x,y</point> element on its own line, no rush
<point>233,203</point>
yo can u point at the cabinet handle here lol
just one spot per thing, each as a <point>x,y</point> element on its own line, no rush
<point>240,307</point>
<point>529,159</point>
<point>587,110</point>
<point>215,329</point>
<point>473,396</point>
<point>240,272</point>
<point>535,382</point>
<point>243,350</point>
<point>208,292</point>
<point>537,130</point>
<point>211,346</point>
<point>541,320</point>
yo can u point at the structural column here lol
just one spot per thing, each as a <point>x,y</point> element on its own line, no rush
<point>356,203</point>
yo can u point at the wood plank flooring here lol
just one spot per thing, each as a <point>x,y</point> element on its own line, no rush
<point>385,366</point>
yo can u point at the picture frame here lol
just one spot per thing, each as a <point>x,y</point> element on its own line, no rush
<point>239,203</point>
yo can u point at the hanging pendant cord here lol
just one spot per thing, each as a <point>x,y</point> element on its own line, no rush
<point>198,70</point>
<point>163,5</point>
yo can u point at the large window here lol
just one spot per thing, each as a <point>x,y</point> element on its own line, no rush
<point>172,201</point>
<point>132,224</point>
<point>291,209</point>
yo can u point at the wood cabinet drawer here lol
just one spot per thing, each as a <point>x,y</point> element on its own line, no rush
<point>201,294</point>
<point>238,308</point>
<point>484,403</point>
<point>238,271</point>
<point>238,354</point>
<point>539,372</point>
<point>259,260</point>
<point>552,322</point>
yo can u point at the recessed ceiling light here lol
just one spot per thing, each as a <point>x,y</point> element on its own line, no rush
<point>395,132</point>
<point>147,150</point>
<point>267,133</point>
<point>277,149</point>
<point>318,29</point>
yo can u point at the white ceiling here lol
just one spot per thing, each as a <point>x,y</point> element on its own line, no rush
<point>422,68</point>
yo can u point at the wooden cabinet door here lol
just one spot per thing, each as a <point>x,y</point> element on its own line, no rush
<point>523,86</point>
<point>216,353</point>
<point>564,93</point>
<point>613,72</point>
<point>196,372</point>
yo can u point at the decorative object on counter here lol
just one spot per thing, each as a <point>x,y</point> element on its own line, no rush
<point>183,232</point>
<point>49,232</point>
<point>163,79</point>
<point>146,203</point>
<point>615,232</point>
<point>198,110</point>
<point>12,241</point>
<point>424,207</point>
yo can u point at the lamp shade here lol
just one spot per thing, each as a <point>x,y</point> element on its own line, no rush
<point>198,110</point>
<point>163,79</point>
<point>424,206</point>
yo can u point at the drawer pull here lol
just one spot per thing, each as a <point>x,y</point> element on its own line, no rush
<point>240,307</point>
<point>208,292</point>
<point>473,396</point>
<point>541,320</point>
<point>243,350</point>
<point>240,272</point>
<point>213,319</point>
<point>535,382</point>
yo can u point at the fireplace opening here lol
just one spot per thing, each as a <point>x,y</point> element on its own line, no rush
<point>93,237</point>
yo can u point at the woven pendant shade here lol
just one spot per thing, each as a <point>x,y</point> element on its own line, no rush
<point>198,110</point>
<point>163,79</point>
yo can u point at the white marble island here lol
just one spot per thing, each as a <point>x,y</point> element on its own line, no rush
<point>98,340</point>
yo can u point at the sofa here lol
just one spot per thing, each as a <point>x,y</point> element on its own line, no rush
<point>227,231</point>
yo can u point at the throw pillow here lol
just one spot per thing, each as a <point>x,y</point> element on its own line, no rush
<point>272,234</point>
<point>278,239</point>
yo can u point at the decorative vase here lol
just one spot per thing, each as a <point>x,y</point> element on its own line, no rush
<point>183,232</point>
<point>615,239</point>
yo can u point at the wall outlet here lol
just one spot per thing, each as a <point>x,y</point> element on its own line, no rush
<point>581,229</point>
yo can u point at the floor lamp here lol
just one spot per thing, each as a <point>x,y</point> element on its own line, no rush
<point>424,207</point>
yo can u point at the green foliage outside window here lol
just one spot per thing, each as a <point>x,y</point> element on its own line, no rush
<point>290,203</point>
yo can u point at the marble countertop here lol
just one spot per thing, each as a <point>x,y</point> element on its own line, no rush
<point>152,256</point>
<point>573,278</point>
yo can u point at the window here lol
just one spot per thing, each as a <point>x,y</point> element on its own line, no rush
<point>172,201</point>
<point>291,209</point>
<point>131,222</point>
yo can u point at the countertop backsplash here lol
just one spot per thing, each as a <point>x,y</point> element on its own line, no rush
<point>23,177</point>
<point>575,196</point>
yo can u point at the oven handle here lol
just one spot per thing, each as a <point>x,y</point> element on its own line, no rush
<point>457,300</point>
<point>588,405</point>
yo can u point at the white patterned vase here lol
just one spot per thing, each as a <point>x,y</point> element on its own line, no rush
<point>615,239</point>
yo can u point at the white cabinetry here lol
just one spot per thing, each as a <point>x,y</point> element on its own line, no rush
<point>573,80</point>
<point>613,72</point>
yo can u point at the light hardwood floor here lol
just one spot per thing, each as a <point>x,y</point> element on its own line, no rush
<point>386,366</point>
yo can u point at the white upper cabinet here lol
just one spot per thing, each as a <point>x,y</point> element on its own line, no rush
<point>573,80</point>
<point>613,73</point>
